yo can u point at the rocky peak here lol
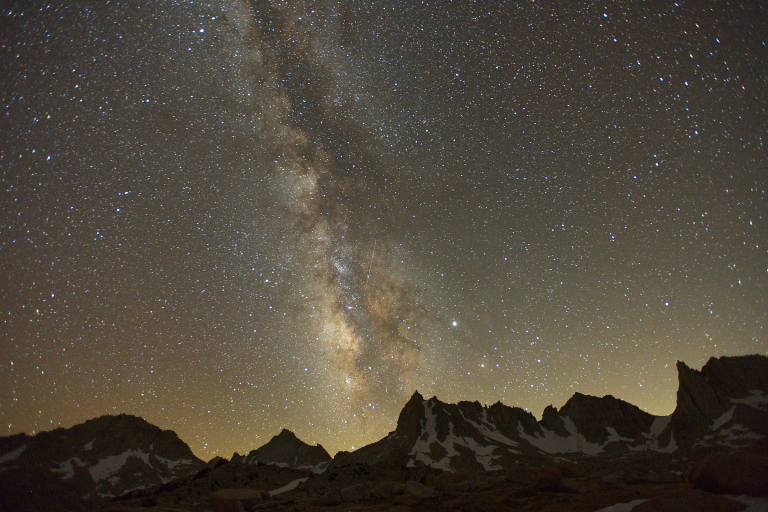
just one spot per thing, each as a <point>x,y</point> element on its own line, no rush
<point>600,419</point>
<point>550,419</point>
<point>698,400</point>
<point>737,376</point>
<point>104,456</point>
<point>723,390</point>
<point>411,416</point>
<point>288,450</point>
<point>511,419</point>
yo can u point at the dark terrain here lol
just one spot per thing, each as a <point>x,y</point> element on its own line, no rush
<point>591,453</point>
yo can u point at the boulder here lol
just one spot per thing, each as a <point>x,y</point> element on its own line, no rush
<point>420,490</point>
<point>387,488</point>
<point>359,492</point>
<point>745,473</point>
<point>234,500</point>
<point>689,499</point>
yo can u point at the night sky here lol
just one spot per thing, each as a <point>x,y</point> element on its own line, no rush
<point>238,216</point>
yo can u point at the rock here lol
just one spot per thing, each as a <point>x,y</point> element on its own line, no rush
<point>420,490</point>
<point>447,482</point>
<point>548,478</point>
<point>705,395</point>
<point>689,499</point>
<point>570,485</point>
<point>359,492</point>
<point>520,475</point>
<point>149,501</point>
<point>388,488</point>
<point>217,462</point>
<point>664,476</point>
<point>233,500</point>
<point>745,473</point>
<point>614,480</point>
<point>329,500</point>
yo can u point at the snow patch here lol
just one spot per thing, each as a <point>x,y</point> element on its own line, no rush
<point>549,442</point>
<point>671,447</point>
<point>753,503</point>
<point>289,486</point>
<point>614,437</point>
<point>173,463</point>
<point>623,507</point>
<point>317,469</point>
<point>757,399</point>
<point>13,455</point>
<point>422,447</point>
<point>67,468</point>
<point>734,436</point>
<point>483,454</point>
<point>659,425</point>
<point>723,419</point>
<point>105,468</point>
<point>488,430</point>
<point>89,445</point>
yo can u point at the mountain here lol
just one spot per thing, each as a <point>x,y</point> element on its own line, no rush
<point>590,453</point>
<point>468,436</point>
<point>103,457</point>
<point>723,405</point>
<point>595,451</point>
<point>285,449</point>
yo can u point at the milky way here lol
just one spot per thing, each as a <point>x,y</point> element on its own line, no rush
<point>235,217</point>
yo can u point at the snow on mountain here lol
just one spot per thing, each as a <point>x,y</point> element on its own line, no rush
<point>105,456</point>
<point>725,404</point>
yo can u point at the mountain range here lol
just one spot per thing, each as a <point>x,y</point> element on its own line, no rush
<point>124,461</point>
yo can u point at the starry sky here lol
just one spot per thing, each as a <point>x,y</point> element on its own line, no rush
<point>236,216</point>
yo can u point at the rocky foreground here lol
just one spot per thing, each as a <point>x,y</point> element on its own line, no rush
<point>710,454</point>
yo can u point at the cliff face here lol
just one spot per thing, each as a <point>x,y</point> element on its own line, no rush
<point>728,391</point>
<point>699,401</point>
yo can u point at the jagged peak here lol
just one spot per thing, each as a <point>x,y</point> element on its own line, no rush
<point>285,433</point>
